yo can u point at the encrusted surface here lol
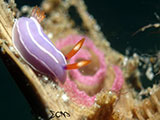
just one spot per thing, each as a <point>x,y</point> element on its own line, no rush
<point>108,105</point>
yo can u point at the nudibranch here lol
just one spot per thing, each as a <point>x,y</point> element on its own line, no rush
<point>38,51</point>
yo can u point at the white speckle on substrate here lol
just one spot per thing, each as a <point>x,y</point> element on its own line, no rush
<point>40,118</point>
<point>60,89</point>
<point>110,92</point>
<point>65,98</point>
<point>39,75</point>
<point>25,9</point>
<point>150,92</point>
<point>50,35</point>
<point>82,107</point>
<point>21,60</point>
<point>45,78</point>
<point>135,55</point>
<point>118,110</point>
<point>91,17</point>
<point>96,105</point>
<point>12,49</point>
<point>125,61</point>
<point>127,96</point>
<point>97,27</point>
<point>53,84</point>
<point>149,73</point>
<point>2,50</point>
<point>57,95</point>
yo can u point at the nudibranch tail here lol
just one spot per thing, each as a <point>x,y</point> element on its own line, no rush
<point>38,14</point>
<point>77,65</point>
<point>75,49</point>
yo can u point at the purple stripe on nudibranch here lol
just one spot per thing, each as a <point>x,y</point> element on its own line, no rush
<point>36,49</point>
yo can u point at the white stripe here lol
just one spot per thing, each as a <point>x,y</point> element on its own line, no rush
<point>29,52</point>
<point>38,45</point>
<point>14,27</point>
<point>41,34</point>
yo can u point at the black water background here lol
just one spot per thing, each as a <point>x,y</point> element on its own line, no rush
<point>118,19</point>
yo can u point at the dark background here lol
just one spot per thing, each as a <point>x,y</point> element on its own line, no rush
<point>118,21</point>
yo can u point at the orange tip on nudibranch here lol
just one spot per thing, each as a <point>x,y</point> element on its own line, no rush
<point>77,65</point>
<point>75,49</point>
